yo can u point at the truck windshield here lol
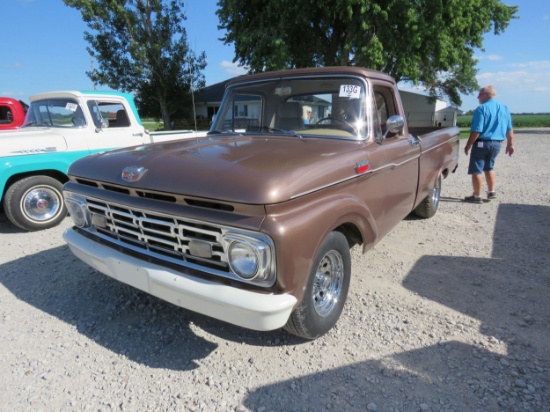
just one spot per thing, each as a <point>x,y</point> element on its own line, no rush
<point>326,107</point>
<point>55,113</point>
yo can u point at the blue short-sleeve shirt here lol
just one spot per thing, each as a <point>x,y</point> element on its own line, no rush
<point>492,120</point>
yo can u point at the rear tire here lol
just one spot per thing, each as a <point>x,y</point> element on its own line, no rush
<point>35,203</point>
<point>428,207</point>
<point>326,290</point>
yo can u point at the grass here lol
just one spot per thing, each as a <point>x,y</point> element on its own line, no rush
<point>152,125</point>
<point>464,132</point>
<point>518,120</point>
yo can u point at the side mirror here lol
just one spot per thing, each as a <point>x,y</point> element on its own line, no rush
<point>394,124</point>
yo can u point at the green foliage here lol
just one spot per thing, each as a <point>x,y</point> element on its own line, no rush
<point>430,42</point>
<point>518,120</point>
<point>141,47</point>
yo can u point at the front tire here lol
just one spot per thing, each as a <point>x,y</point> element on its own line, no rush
<point>35,203</point>
<point>428,207</point>
<point>326,290</point>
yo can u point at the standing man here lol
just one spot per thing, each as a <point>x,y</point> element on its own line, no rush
<point>491,124</point>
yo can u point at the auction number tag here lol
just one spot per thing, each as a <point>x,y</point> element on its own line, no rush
<point>350,91</point>
<point>71,106</point>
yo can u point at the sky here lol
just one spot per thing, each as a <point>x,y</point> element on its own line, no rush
<point>43,49</point>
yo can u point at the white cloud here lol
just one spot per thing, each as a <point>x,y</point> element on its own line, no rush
<point>534,65</point>
<point>233,69</point>
<point>491,57</point>
<point>524,88</point>
<point>13,94</point>
<point>15,65</point>
<point>528,77</point>
<point>494,57</point>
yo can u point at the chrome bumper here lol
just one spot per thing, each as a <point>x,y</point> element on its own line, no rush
<point>237,306</point>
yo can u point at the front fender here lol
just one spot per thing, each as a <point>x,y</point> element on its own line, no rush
<point>299,226</point>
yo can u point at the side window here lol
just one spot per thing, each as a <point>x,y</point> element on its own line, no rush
<point>6,116</point>
<point>374,115</point>
<point>114,114</point>
<point>245,113</point>
<point>381,107</point>
<point>385,104</point>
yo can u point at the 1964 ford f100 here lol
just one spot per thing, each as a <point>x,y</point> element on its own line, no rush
<point>253,223</point>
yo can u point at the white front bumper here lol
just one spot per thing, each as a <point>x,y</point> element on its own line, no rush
<point>241,307</point>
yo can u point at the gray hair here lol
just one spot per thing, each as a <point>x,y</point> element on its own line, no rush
<point>490,90</point>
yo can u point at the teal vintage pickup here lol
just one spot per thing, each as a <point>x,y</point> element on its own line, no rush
<point>59,128</point>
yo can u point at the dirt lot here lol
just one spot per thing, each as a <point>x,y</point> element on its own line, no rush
<point>450,313</point>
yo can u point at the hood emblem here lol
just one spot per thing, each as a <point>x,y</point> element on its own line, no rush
<point>133,173</point>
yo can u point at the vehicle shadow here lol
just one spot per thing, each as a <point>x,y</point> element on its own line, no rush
<point>505,293</point>
<point>430,379</point>
<point>121,318</point>
<point>6,226</point>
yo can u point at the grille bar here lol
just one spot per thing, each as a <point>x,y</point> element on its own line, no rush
<point>160,234</point>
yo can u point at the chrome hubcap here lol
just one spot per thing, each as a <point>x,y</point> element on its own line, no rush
<point>328,283</point>
<point>436,193</point>
<point>41,203</point>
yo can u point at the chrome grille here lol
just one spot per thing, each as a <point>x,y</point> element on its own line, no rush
<point>161,235</point>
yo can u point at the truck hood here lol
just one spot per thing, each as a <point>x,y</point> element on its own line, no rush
<point>33,140</point>
<point>245,169</point>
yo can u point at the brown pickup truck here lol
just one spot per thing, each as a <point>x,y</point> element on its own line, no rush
<point>253,224</point>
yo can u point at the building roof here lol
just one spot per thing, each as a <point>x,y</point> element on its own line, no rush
<point>213,93</point>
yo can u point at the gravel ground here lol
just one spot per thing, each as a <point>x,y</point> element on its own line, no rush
<point>446,314</point>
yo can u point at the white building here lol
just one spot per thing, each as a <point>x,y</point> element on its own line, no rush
<point>420,112</point>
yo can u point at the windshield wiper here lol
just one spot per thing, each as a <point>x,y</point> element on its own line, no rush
<point>230,132</point>
<point>273,129</point>
<point>32,123</point>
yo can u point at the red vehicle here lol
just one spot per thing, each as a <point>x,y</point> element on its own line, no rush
<point>12,113</point>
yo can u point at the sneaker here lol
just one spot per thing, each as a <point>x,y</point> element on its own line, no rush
<point>473,199</point>
<point>491,195</point>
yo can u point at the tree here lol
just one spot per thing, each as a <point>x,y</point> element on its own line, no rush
<point>422,41</point>
<point>141,47</point>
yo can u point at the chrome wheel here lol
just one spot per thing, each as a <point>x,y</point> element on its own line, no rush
<point>428,207</point>
<point>436,193</point>
<point>326,289</point>
<point>41,203</point>
<point>35,203</point>
<point>327,286</point>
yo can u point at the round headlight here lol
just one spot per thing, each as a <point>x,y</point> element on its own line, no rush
<point>243,259</point>
<point>77,212</point>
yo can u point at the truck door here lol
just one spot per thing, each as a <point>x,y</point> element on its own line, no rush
<point>114,126</point>
<point>399,159</point>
